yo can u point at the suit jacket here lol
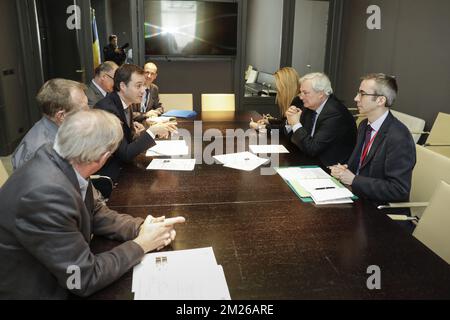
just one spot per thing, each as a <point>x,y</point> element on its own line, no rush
<point>93,94</point>
<point>385,175</point>
<point>44,131</point>
<point>152,103</point>
<point>280,123</point>
<point>110,54</point>
<point>129,147</point>
<point>46,227</point>
<point>334,136</point>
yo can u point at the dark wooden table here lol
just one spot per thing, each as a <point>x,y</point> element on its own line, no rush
<point>272,245</point>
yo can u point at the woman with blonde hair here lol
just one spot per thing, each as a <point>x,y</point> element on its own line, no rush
<point>287,82</point>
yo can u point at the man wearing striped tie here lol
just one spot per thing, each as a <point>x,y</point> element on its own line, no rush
<point>380,167</point>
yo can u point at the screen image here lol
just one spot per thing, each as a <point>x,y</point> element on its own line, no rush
<point>190,28</point>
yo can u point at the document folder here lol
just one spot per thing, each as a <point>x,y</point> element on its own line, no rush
<point>187,114</point>
<point>304,195</point>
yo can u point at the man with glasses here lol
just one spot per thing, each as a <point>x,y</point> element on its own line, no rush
<point>150,105</point>
<point>103,82</point>
<point>325,128</point>
<point>380,167</point>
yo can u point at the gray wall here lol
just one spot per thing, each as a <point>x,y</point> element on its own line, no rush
<point>310,36</point>
<point>413,45</point>
<point>195,77</point>
<point>264,23</point>
<point>14,116</point>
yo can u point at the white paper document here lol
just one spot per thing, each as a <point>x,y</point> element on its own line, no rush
<point>168,148</point>
<point>180,275</point>
<point>161,119</point>
<point>314,184</point>
<point>172,164</point>
<point>268,148</point>
<point>339,201</point>
<point>327,186</point>
<point>302,173</point>
<point>323,195</point>
<point>242,160</point>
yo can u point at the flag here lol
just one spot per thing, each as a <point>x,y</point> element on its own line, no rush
<point>95,42</point>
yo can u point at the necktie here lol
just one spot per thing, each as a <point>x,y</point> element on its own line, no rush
<point>128,116</point>
<point>144,106</point>
<point>313,122</point>
<point>365,147</point>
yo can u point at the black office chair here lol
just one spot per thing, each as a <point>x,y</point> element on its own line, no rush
<point>103,184</point>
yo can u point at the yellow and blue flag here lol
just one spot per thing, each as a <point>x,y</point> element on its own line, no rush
<point>95,42</point>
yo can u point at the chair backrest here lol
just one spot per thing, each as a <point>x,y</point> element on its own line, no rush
<point>218,102</point>
<point>415,125</point>
<point>440,135</point>
<point>178,101</point>
<point>430,169</point>
<point>433,229</point>
<point>440,132</point>
<point>3,174</point>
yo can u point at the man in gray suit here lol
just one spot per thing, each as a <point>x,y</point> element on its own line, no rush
<point>50,211</point>
<point>103,82</point>
<point>150,105</point>
<point>56,98</point>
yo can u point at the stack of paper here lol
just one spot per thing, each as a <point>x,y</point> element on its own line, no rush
<point>242,160</point>
<point>325,191</point>
<point>317,184</point>
<point>292,173</point>
<point>268,148</point>
<point>168,148</point>
<point>180,275</point>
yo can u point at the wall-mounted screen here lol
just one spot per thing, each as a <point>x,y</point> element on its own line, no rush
<point>190,28</point>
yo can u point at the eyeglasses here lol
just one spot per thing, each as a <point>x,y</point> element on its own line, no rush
<point>109,76</point>
<point>362,94</point>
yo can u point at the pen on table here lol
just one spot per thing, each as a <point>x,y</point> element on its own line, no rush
<point>323,188</point>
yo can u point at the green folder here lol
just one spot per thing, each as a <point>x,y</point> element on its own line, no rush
<point>304,195</point>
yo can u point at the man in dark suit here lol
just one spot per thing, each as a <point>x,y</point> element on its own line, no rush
<point>50,211</point>
<point>103,82</point>
<point>380,167</point>
<point>325,128</point>
<point>128,89</point>
<point>112,52</point>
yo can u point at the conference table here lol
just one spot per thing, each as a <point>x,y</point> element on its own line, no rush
<point>270,244</point>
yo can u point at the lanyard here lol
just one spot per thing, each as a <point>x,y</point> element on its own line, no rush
<point>366,149</point>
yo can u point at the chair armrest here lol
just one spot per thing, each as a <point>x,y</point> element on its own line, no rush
<point>436,145</point>
<point>106,178</point>
<point>403,205</point>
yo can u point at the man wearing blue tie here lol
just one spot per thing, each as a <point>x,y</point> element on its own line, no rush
<point>324,128</point>
<point>380,167</point>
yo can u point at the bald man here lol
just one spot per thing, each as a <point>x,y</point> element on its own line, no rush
<point>150,105</point>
